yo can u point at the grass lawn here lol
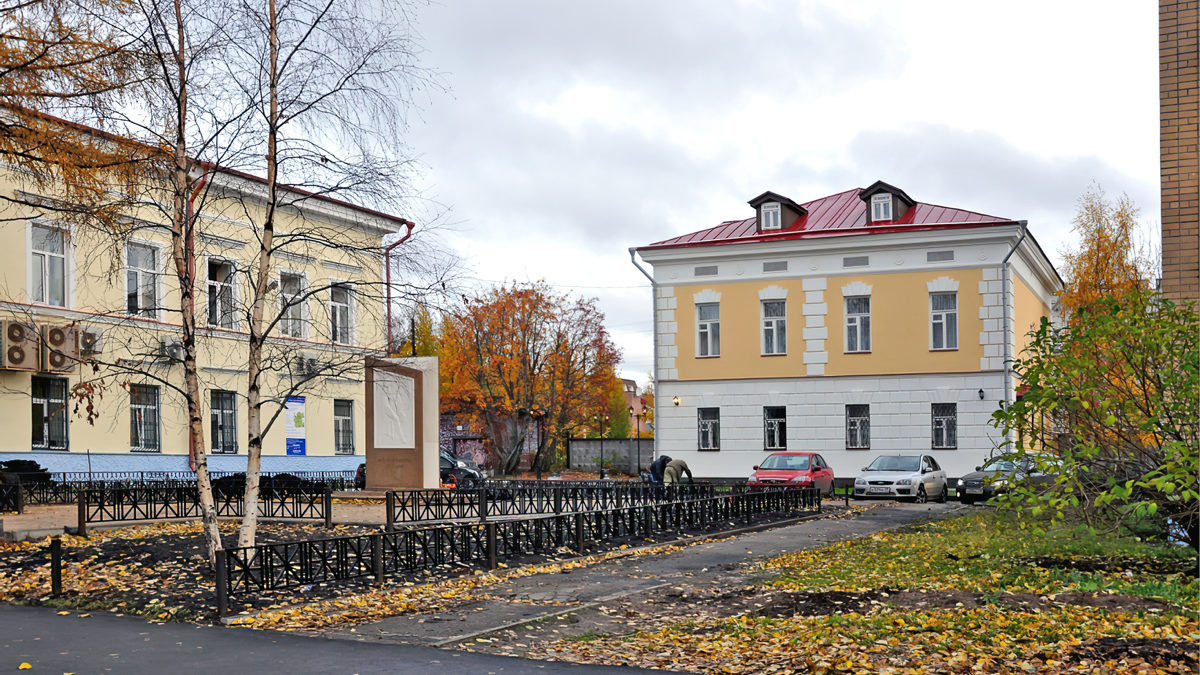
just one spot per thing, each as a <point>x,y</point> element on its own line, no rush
<point>971,594</point>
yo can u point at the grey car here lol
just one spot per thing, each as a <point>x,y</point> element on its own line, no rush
<point>916,477</point>
<point>998,475</point>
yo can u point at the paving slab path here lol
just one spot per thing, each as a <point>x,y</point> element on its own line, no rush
<point>575,602</point>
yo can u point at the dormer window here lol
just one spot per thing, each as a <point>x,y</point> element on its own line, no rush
<point>770,216</point>
<point>881,207</point>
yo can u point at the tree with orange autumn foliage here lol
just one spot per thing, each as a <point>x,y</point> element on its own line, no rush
<point>57,59</point>
<point>1110,260</point>
<point>515,357</point>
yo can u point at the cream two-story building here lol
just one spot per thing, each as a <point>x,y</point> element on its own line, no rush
<point>856,324</point>
<point>82,305</point>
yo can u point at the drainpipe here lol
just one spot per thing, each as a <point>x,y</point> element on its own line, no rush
<point>1009,338</point>
<point>654,333</point>
<point>387,271</point>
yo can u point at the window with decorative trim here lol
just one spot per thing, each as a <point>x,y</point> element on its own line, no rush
<point>945,426</point>
<point>774,331</point>
<point>291,304</point>
<point>708,428</point>
<point>775,428</point>
<point>858,323</point>
<point>943,321</point>
<point>48,396</point>
<point>708,329</point>
<point>48,266</point>
<point>220,293</point>
<point>141,280</point>
<point>341,324</point>
<point>858,427</point>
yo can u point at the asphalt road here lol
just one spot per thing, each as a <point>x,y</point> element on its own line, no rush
<point>106,643</point>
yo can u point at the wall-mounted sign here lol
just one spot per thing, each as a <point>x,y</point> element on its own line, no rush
<point>294,423</point>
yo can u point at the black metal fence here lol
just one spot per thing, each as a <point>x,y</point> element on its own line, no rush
<point>64,488</point>
<point>268,567</point>
<point>117,504</point>
<point>12,498</point>
<point>521,498</point>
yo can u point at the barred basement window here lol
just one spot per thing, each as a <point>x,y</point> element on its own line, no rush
<point>775,428</point>
<point>708,428</point>
<point>343,427</point>
<point>945,426</point>
<point>223,418</point>
<point>143,418</point>
<point>858,427</point>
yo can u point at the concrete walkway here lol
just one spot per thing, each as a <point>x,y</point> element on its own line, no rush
<point>106,643</point>
<point>541,597</point>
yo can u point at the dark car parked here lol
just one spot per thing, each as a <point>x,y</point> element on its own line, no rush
<point>997,476</point>
<point>451,470</point>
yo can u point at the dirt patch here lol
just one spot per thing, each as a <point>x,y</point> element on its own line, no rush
<point>1133,652</point>
<point>1155,566</point>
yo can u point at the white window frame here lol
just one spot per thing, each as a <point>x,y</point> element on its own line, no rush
<point>708,328</point>
<point>772,216</point>
<point>349,310</point>
<point>157,274</point>
<point>855,323</point>
<point>774,429</point>
<point>773,327</point>
<point>65,255</point>
<point>301,308</point>
<point>230,419</point>
<point>233,292</point>
<point>708,430</point>
<point>138,412</point>
<point>343,427</point>
<point>937,325</point>
<point>858,428</point>
<point>943,427</point>
<point>881,207</point>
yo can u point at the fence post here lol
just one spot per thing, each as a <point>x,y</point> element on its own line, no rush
<point>20,498</point>
<point>377,557</point>
<point>490,531</point>
<point>389,502</point>
<point>483,502</point>
<point>81,512</point>
<point>557,501</point>
<point>649,520</point>
<point>579,533</point>
<point>819,500</point>
<point>328,499</point>
<point>222,585</point>
<point>56,566</point>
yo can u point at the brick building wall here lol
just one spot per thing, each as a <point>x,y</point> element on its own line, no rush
<point>1178,28</point>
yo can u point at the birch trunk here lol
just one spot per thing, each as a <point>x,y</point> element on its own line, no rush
<point>247,531</point>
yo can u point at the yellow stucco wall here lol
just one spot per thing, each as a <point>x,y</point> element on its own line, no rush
<point>1028,311</point>
<point>900,333</point>
<point>96,289</point>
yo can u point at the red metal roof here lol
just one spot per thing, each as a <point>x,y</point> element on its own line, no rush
<point>838,214</point>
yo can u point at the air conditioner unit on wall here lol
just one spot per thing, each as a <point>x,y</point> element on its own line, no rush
<point>19,343</point>
<point>308,365</point>
<point>172,350</point>
<point>91,341</point>
<point>60,348</point>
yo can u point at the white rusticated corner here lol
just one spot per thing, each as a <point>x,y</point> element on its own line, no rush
<point>813,284</point>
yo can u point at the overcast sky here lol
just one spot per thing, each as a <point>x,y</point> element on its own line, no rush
<point>571,131</point>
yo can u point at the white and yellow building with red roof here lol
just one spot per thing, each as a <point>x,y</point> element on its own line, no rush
<point>852,325</point>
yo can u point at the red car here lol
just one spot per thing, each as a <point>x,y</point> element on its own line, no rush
<point>793,469</point>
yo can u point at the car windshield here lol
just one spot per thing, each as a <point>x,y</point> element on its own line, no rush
<point>786,462</point>
<point>999,465</point>
<point>894,463</point>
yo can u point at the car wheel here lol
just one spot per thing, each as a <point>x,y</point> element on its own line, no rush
<point>966,500</point>
<point>945,495</point>
<point>921,497</point>
<point>467,483</point>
